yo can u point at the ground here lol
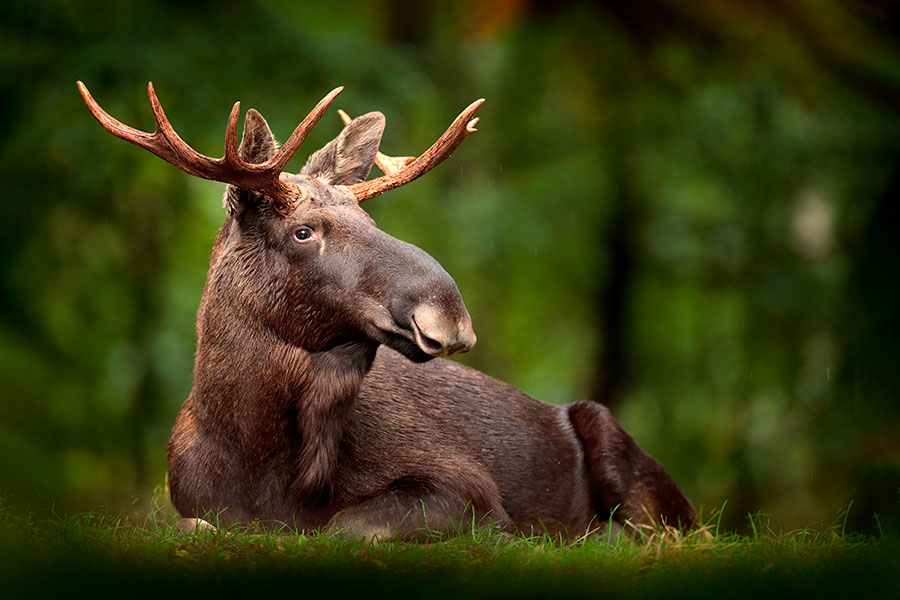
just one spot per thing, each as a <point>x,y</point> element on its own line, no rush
<point>145,554</point>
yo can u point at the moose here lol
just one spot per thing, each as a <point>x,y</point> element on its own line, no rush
<point>321,396</point>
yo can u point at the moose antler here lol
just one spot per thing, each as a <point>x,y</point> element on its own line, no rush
<point>231,168</point>
<point>400,170</point>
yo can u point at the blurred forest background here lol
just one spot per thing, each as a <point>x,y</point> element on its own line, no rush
<point>685,210</point>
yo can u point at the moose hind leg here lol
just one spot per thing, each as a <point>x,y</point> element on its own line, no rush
<point>415,513</point>
<point>623,476</point>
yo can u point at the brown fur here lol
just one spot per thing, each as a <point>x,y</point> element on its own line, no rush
<point>316,402</point>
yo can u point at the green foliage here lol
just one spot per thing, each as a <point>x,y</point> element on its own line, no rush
<point>722,176</point>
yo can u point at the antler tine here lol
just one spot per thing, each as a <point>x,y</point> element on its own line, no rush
<point>231,144</point>
<point>290,147</point>
<point>170,147</point>
<point>461,127</point>
<point>115,127</point>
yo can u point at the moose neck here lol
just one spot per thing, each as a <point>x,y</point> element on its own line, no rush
<point>274,393</point>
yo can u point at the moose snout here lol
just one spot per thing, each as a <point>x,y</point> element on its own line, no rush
<point>439,334</point>
<point>425,308</point>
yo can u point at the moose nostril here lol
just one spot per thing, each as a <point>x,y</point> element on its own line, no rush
<point>457,348</point>
<point>433,333</point>
<point>438,334</point>
<point>429,345</point>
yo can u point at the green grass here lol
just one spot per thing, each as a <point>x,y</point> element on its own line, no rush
<point>145,555</point>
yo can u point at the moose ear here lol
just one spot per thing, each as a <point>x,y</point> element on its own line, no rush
<point>257,146</point>
<point>258,143</point>
<point>348,158</point>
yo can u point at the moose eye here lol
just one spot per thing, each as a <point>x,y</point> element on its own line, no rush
<point>302,234</point>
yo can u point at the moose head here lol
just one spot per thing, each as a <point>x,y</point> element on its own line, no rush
<point>298,255</point>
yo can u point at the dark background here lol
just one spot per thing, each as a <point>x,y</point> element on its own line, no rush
<point>685,210</point>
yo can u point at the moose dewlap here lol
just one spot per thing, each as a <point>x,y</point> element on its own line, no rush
<point>317,398</point>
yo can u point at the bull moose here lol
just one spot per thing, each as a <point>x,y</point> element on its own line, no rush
<point>320,395</point>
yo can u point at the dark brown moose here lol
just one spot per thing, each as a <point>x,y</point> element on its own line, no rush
<point>316,402</point>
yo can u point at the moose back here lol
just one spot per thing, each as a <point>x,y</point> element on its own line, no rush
<point>318,400</point>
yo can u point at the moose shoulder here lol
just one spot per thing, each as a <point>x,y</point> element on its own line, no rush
<point>317,399</point>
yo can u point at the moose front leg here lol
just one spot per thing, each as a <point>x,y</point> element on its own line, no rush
<point>623,477</point>
<point>415,513</point>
